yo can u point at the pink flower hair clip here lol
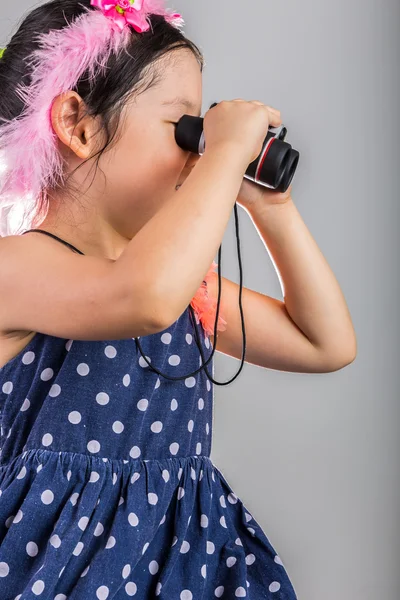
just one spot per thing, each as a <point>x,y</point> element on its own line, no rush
<point>130,12</point>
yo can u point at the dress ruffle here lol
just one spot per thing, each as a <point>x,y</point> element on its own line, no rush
<point>169,527</point>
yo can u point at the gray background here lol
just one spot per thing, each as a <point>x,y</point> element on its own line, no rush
<point>315,457</point>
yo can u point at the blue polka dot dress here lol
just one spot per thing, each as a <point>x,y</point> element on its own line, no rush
<point>107,489</point>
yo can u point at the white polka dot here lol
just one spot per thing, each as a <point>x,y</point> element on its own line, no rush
<point>110,351</point>
<point>206,342</point>
<point>174,360</point>
<point>278,560</point>
<point>190,425</point>
<point>61,596</point>
<point>47,497</point>
<point>126,380</point>
<point>18,516</point>
<point>223,521</point>
<point>174,404</point>
<point>208,384</point>
<point>198,448</point>
<point>78,549</point>
<point>38,587</point>
<point>186,595</point>
<point>145,547</point>
<point>55,541</point>
<point>274,586</point>
<point>9,521</point>
<point>248,516</point>
<point>47,439</point>
<point>99,529</point>
<point>94,476</point>
<point>181,492</point>
<point>142,404</point>
<point>133,519</point>
<point>75,417</point>
<point>222,501</point>
<point>74,498</point>
<point>189,338</point>
<point>25,405</point>
<point>210,547</point>
<point>174,447</point>
<point>204,521</point>
<point>230,561</point>
<point>240,592</point>
<point>131,588</point>
<point>251,530</point>
<point>126,571</point>
<point>200,403</point>
<point>110,542</point>
<point>219,591</point>
<point>93,446</point>
<point>153,567</point>
<point>156,427</point>
<point>118,427</point>
<point>82,369</point>
<point>143,363</point>
<point>4,569</point>
<point>207,428</point>
<point>69,344</point>
<point>134,452</point>
<point>102,592</point>
<point>7,387</point>
<point>232,498</point>
<point>238,541</point>
<point>152,498</point>
<point>203,571</point>
<point>166,338</point>
<point>46,374</point>
<point>28,358</point>
<point>55,390</point>
<point>165,475</point>
<point>22,473</point>
<point>190,382</point>
<point>185,547</point>
<point>102,398</point>
<point>32,549</point>
<point>135,477</point>
<point>83,522</point>
<point>85,571</point>
<point>158,383</point>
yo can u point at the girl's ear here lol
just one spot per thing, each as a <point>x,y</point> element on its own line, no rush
<point>74,127</point>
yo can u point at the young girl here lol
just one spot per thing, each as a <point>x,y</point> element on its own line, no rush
<point>107,489</point>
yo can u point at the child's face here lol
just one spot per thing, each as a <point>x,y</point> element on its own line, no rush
<point>146,164</point>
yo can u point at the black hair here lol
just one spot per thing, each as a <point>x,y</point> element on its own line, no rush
<point>130,72</point>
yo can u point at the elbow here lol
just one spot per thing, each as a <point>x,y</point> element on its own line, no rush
<point>342,359</point>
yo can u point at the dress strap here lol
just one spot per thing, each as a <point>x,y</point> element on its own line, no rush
<point>55,237</point>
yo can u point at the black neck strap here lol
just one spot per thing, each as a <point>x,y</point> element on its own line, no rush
<point>56,238</point>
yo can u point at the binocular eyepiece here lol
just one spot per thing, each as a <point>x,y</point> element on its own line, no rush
<point>274,167</point>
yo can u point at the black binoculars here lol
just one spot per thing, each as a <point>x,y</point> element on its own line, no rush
<point>274,167</point>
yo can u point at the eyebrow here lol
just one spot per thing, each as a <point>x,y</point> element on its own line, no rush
<point>179,101</point>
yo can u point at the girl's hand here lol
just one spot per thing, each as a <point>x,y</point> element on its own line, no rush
<point>252,196</point>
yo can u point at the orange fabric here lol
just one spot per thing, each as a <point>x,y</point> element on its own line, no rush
<point>205,306</point>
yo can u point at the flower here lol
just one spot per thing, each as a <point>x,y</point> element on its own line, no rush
<point>124,12</point>
<point>205,306</point>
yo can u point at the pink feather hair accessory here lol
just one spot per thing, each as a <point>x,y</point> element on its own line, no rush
<point>29,157</point>
<point>205,306</point>
<point>132,12</point>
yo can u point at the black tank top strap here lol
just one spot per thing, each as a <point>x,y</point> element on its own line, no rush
<point>55,237</point>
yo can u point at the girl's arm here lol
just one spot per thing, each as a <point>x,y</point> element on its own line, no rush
<point>311,331</point>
